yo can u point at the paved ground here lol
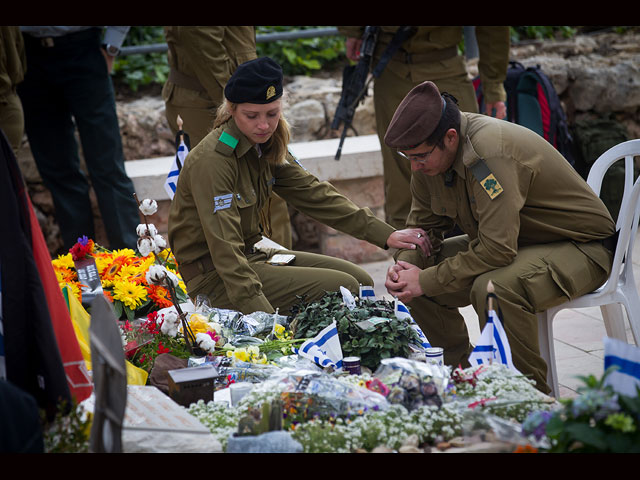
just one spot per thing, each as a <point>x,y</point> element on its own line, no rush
<point>578,333</point>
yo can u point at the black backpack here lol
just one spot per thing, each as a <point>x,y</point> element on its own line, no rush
<point>592,137</point>
<point>533,102</point>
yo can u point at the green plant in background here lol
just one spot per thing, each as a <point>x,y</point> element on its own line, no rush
<point>142,69</point>
<point>519,33</point>
<point>302,56</point>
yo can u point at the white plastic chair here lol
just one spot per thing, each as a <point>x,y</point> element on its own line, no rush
<point>620,288</point>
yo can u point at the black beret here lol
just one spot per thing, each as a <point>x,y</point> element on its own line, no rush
<point>255,81</point>
<point>416,117</point>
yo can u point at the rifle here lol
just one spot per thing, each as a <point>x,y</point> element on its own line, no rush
<point>354,78</point>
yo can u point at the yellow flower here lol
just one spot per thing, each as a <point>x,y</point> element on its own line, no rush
<point>129,293</point>
<point>75,289</point>
<point>131,273</point>
<point>63,261</point>
<point>198,324</point>
<point>125,252</point>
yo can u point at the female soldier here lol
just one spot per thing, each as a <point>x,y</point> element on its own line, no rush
<point>215,218</point>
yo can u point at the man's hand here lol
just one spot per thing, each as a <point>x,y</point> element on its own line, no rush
<point>403,281</point>
<point>410,238</point>
<point>353,48</point>
<point>109,59</point>
<point>498,110</point>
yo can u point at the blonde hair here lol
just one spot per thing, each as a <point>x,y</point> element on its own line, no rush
<point>275,149</point>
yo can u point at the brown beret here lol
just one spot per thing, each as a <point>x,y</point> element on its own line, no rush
<point>416,117</point>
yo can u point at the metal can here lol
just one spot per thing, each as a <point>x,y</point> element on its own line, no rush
<point>351,365</point>
<point>435,355</point>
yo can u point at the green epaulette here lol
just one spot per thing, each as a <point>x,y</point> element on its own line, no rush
<point>226,143</point>
<point>481,171</point>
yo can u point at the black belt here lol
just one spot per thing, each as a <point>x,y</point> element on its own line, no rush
<point>65,40</point>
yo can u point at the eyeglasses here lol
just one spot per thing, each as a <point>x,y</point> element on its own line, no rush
<point>418,157</point>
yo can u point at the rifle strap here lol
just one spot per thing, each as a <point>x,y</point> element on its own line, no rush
<point>399,37</point>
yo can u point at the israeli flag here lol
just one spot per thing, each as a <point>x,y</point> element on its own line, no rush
<point>493,345</point>
<point>367,293</point>
<point>171,183</point>
<point>402,312</point>
<point>324,349</point>
<point>626,377</point>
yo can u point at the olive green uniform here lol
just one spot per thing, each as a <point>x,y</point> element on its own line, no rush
<point>536,233</point>
<point>201,61</point>
<point>215,220</point>
<point>430,54</point>
<point>13,64</point>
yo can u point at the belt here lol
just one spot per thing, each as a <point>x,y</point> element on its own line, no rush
<point>433,56</point>
<point>73,38</point>
<point>186,81</point>
<point>202,265</point>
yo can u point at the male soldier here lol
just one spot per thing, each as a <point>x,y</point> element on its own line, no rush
<point>431,53</point>
<point>201,61</point>
<point>13,63</point>
<point>532,226</point>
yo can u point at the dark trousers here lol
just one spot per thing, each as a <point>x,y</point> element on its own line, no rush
<point>67,87</point>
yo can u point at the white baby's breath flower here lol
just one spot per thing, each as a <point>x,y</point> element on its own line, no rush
<point>147,230</point>
<point>148,206</point>
<point>146,246</point>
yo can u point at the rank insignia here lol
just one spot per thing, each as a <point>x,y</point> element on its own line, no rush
<point>222,202</point>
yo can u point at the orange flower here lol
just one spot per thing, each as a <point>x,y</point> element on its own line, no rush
<point>525,449</point>
<point>159,295</point>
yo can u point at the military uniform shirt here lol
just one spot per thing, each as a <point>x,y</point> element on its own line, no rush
<point>216,210</point>
<point>533,197</point>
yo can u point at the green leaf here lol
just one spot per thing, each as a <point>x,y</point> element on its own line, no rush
<point>587,435</point>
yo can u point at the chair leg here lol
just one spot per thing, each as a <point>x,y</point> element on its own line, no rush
<point>632,304</point>
<point>614,321</point>
<point>547,350</point>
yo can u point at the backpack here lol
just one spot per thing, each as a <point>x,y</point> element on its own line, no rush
<point>533,102</point>
<point>592,137</point>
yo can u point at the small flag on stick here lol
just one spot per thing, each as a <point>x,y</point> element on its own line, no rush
<point>182,145</point>
<point>493,345</point>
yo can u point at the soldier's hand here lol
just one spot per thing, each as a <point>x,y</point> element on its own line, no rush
<point>407,281</point>
<point>498,110</point>
<point>411,238</point>
<point>353,48</point>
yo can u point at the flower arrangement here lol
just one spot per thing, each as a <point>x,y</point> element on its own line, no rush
<point>376,427</point>
<point>123,272</point>
<point>598,420</point>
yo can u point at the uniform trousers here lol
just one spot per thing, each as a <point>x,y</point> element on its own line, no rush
<point>389,91</point>
<point>540,277</point>
<point>310,275</point>
<point>67,86</point>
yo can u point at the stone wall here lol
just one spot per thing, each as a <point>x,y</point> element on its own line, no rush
<point>593,75</point>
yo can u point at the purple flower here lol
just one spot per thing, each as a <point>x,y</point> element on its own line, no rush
<point>83,240</point>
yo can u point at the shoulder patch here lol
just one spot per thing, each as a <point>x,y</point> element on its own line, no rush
<point>295,159</point>
<point>222,202</point>
<point>226,143</point>
<point>481,171</point>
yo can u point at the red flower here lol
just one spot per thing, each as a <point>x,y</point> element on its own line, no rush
<point>162,349</point>
<point>82,249</point>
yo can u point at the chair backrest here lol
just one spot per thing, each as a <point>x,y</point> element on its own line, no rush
<point>627,222</point>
